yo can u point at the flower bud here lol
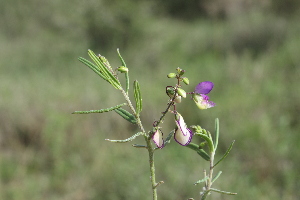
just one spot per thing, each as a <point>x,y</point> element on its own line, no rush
<point>171,75</point>
<point>181,92</point>
<point>186,80</point>
<point>196,128</point>
<point>182,135</point>
<point>158,138</point>
<point>180,71</point>
<point>177,99</point>
<point>123,69</point>
<point>170,91</point>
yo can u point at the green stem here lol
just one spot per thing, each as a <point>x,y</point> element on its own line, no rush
<point>210,176</point>
<point>152,167</point>
<point>149,145</point>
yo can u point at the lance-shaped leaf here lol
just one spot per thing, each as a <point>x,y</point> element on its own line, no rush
<point>99,111</point>
<point>126,115</point>
<point>137,96</point>
<point>222,192</point>
<point>208,140</point>
<point>201,152</point>
<point>226,153</point>
<point>126,140</point>
<point>105,71</point>
<point>92,67</point>
<point>126,74</point>
<point>217,176</point>
<point>217,133</point>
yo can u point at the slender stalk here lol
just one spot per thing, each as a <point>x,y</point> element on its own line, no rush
<point>149,146</point>
<point>209,182</point>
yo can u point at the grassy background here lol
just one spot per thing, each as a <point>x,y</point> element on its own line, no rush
<point>250,50</point>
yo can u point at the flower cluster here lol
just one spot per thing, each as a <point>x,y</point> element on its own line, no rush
<point>183,135</point>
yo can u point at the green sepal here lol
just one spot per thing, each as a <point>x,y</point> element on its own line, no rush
<point>137,96</point>
<point>226,153</point>
<point>92,67</point>
<point>208,140</point>
<point>201,152</point>
<point>126,115</point>
<point>105,71</point>
<point>126,74</point>
<point>100,111</point>
<point>202,180</point>
<point>126,140</point>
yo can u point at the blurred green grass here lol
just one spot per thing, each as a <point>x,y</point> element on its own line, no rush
<point>47,153</point>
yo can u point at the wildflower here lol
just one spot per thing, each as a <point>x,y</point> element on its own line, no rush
<point>182,135</point>
<point>158,138</point>
<point>200,97</point>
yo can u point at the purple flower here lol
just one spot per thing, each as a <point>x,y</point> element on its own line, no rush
<point>182,135</point>
<point>200,97</point>
<point>158,139</point>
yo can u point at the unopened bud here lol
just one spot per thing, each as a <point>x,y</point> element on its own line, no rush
<point>196,128</point>
<point>171,75</point>
<point>170,92</point>
<point>186,80</point>
<point>123,69</point>
<point>177,99</point>
<point>180,71</point>
<point>181,92</point>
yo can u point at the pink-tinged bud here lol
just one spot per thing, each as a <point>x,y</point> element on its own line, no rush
<point>182,135</point>
<point>181,92</point>
<point>180,71</point>
<point>158,138</point>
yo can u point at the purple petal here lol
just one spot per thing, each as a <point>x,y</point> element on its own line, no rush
<point>204,87</point>
<point>158,139</point>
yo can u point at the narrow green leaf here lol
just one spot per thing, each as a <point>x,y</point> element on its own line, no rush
<point>99,111</point>
<point>226,153</point>
<point>222,192</point>
<point>217,176</point>
<point>208,140</point>
<point>92,67</point>
<point>217,133</point>
<point>201,152</point>
<point>139,146</point>
<point>104,70</point>
<point>137,96</point>
<point>201,181</point>
<point>122,60</point>
<point>126,115</point>
<point>126,140</point>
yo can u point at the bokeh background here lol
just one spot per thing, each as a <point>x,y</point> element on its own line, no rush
<point>248,48</point>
